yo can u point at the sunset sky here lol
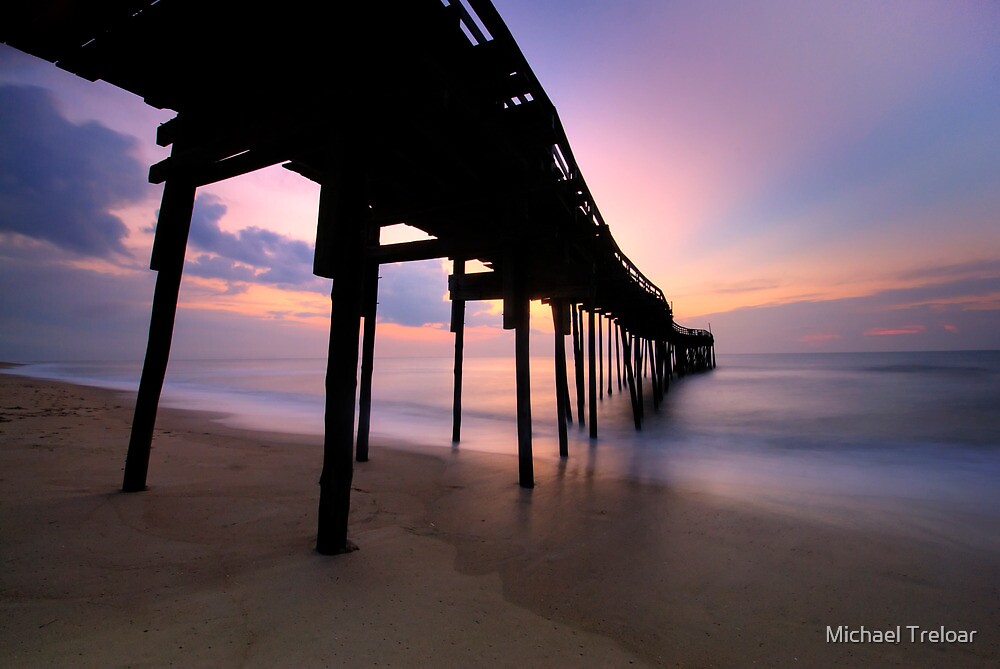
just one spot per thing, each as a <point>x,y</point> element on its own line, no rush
<point>803,176</point>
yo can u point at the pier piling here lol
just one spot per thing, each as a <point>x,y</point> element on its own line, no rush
<point>369,312</point>
<point>592,372</point>
<point>343,213</point>
<point>172,228</point>
<point>458,327</point>
<point>559,317</point>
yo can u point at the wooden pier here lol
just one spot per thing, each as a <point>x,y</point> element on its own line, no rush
<point>423,112</point>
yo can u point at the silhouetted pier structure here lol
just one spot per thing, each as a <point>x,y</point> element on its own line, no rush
<point>421,112</point>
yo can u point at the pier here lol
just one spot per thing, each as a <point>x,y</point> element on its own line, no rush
<point>420,112</point>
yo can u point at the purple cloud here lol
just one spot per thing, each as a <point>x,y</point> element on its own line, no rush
<point>59,181</point>
<point>250,255</point>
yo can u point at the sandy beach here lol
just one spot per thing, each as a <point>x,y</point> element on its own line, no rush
<point>214,566</point>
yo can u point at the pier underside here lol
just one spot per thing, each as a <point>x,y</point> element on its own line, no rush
<point>419,112</point>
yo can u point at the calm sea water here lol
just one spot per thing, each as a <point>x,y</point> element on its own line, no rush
<point>906,439</point>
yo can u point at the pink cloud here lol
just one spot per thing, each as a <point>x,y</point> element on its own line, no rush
<point>951,328</point>
<point>901,330</point>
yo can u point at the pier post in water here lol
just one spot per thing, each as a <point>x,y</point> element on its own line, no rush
<point>172,228</point>
<point>610,379</point>
<point>516,316</point>
<point>645,358</point>
<point>370,309</point>
<point>565,317</point>
<point>592,371</point>
<point>630,376</point>
<point>578,359</point>
<point>637,373</point>
<point>458,327</point>
<point>664,359</point>
<point>654,373</point>
<point>600,355</point>
<point>618,355</point>
<point>526,474</point>
<point>669,362</point>
<point>560,324</point>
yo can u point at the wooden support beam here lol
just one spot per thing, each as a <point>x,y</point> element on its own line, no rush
<point>490,286</point>
<point>600,355</point>
<point>610,375</point>
<point>665,366</point>
<point>578,360</point>
<point>657,364</point>
<point>458,327</point>
<point>512,292</point>
<point>526,475</point>
<point>205,171</point>
<point>343,212</point>
<point>172,227</point>
<point>637,372</point>
<point>365,393</point>
<point>654,360</point>
<point>618,356</point>
<point>565,316</point>
<point>630,376</point>
<point>651,363</point>
<point>166,132</point>
<point>654,377</point>
<point>668,370</point>
<point>562,390</point>
<point>370,309</point>
<point>592,372</point>
<point>661,358</point>
<point>478,286</point>
<point>638,347</point>
<point>429,249</point>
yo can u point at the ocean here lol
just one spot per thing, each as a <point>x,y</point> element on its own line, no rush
<point>900,442</point>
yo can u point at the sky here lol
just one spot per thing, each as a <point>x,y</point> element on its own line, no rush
<point>820,176</point>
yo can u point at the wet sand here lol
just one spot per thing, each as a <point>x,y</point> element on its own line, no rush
<point>213,566</point>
